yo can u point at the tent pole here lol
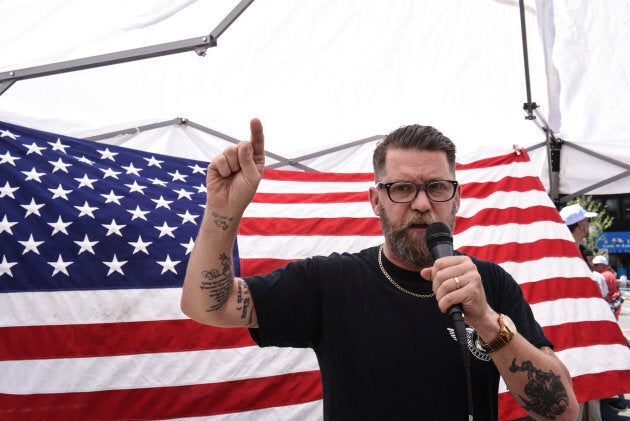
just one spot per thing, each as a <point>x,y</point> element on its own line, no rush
<point>529,106</point>
<point>198,44</point>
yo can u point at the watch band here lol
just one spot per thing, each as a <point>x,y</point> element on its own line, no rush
<point>504,338</point>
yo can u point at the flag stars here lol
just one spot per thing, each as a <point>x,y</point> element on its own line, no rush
<point>130,169</point>
<point>7,157</point>
<point>166,230</point>
<point>58,146</point>
<point>86,181</point>
<point>176,176</point>
<point>152,162</point>
<point>188,217</point>
<point>168,265</point>
<point>112,197</point>
<point>188,246</point>
<point>115,266</point>
<point>5,225</point>
<point>86,209</point>
<point>33,175</point>
<point>31,245</point>
<point>7,190</point>
<point>59,165</point>
<point>59,226</point>
<point>113,228</point>
<point>201,188</point>
<point>110,173</point>
<point>107,154</point>
<point>135,187</point>
<point>33,208</point>
<point>138,213</point>
<point>60,192</point>
<point>85,160</point>
<point>140,245</point>
<point>34,148</point>
<point>183,193</point>
<point>157,181</point>
<point>7,133</point>
<point>60,266</point>
<point>5,266</point>
<point>197,169</point>
<point>86,245</point>
<point>162,203</point>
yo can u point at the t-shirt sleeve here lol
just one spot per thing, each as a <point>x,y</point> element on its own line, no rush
<point>505,296</point>
<point>288,305</point>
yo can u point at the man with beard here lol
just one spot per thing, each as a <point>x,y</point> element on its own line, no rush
<point>376,319</point>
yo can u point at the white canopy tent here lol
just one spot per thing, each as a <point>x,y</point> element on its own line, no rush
<point>324,74</point>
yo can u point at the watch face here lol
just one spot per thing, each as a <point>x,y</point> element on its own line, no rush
<point>509,324</point>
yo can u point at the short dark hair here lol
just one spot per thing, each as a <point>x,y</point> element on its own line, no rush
<point>412,137</point>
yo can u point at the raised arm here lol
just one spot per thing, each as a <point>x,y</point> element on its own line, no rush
<point>211,293</point>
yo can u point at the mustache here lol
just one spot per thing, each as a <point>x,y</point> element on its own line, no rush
<point>417,220</point>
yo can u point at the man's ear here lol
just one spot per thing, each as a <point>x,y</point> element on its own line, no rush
<point>373,192</point>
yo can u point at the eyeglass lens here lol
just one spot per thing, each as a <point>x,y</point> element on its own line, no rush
<point>438,191</point>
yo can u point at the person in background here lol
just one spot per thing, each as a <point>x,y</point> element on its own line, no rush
<point>614,294</point>
<point>595,275</point>
<point>376,318</point>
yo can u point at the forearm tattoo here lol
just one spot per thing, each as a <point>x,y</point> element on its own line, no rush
<point>219,283</point>
<point>244,300</point>
<point>545,392</point>
<point>221,221</point>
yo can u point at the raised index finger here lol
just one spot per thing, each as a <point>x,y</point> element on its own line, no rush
<point>257,140</point>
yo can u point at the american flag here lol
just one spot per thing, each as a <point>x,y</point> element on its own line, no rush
<point>94,241</point>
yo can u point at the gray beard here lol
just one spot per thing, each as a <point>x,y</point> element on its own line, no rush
<point>410,247</point>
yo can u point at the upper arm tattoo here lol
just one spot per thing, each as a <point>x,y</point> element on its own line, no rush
<point>219,283</point>
<point>546,395</point>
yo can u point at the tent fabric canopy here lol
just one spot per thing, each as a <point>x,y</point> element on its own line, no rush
<point>321,74</point>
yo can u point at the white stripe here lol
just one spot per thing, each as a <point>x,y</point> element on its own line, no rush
<point>288,187</point>
<point>469,207</point>
<point>310,210</point>
<point>547,268</point>
<point>151,370</point>
<point>86,307</point>
<point>509,233</point>
<point>495,173</point>
<point>571,310</point>
<point>310,411</point>
<point>297,247</point>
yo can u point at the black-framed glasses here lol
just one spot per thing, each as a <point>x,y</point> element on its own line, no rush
<point>405,192</point>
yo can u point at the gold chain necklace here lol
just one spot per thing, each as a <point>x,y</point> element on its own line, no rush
<point>390,279</point>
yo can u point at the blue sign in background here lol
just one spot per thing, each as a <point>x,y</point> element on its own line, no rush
<point>615,242</point>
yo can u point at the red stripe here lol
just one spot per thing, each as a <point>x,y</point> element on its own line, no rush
<point>309,226</point>
<point>557,288</point>
<point>512,215</point>
<point>251,267</point>
<point>287,198</point>
<point>284,175</point>
<point>166,402</point>
<point>495,161</point>
<point>521,252</point>
<point>579,334</point>
<point>481,190</point>
<point>105,339</point>
<point>586,387</point>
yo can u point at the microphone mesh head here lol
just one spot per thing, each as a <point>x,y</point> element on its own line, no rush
<point>438,233</point>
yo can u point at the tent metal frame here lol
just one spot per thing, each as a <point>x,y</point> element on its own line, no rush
<point>554,144</point>
<point>198,44</point>
<point>281,161</point>
<point>201,44</point>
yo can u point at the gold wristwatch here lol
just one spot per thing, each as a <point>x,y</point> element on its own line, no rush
<point>505,336</point>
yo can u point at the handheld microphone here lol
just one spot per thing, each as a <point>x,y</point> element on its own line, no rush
<point>440,242</point>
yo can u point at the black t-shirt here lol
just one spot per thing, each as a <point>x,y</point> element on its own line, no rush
<point>382,353</point>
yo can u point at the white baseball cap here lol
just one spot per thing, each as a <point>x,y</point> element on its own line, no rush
<point>600,260</point>
<point>573,214</point>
